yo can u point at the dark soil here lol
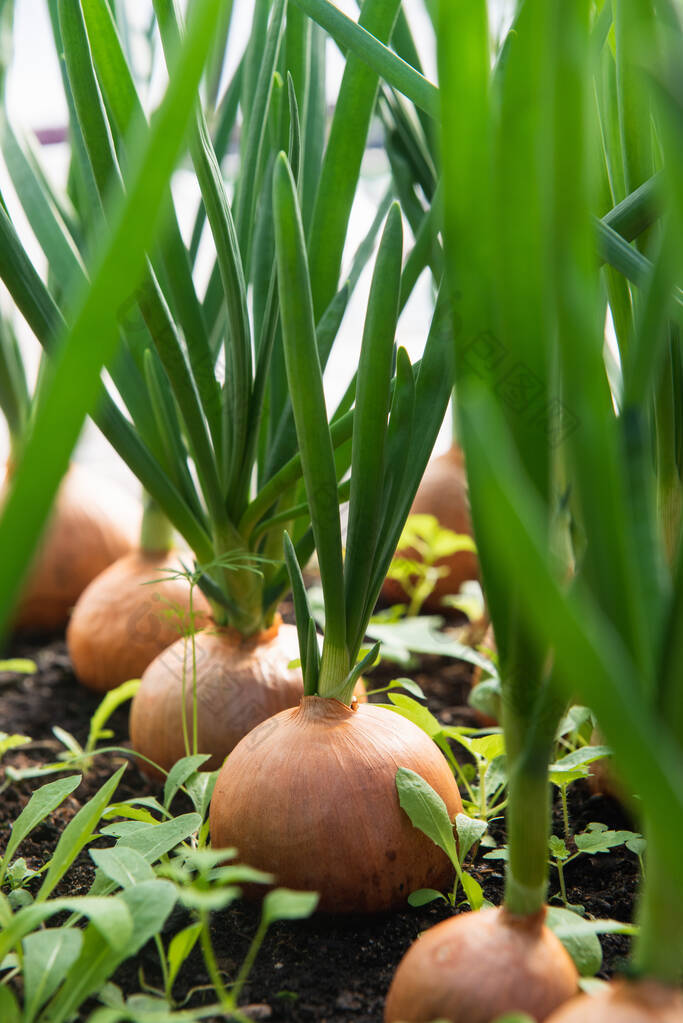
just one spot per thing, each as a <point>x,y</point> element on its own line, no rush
<point>322,970</point>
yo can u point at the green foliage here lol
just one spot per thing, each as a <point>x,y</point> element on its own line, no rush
<point>427,811</point>
<point>419,575</point>
<point>74,384</point>
<point>154,864</point>
<point>380,490</point>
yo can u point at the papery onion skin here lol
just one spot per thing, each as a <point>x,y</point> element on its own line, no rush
<point>624,1002</point>
<point>127,616</point>
<point>442,493</point>
<point>240,683</point>
<point>478,966</point>
<point>310,796</point>
<point>82,538</point>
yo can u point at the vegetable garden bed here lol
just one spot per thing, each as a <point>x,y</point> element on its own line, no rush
<point>325,968</point>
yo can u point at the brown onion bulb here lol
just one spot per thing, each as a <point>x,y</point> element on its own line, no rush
<point>478,966</point>
<point>310,796</point>
<point>624,1002</point>
<point>442,493</point>
<point>82,538</point>
<point>129,615</point>
<point>240,682</point>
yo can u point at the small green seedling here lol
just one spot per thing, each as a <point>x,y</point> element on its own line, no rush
<point>76,755</point>
<point>483,782</point>
<point>597,838</point>
<point>431,541</point>
<point>18,666</point>
<point>571,768</point>
<point>8,742</point>
<point>427,811</point>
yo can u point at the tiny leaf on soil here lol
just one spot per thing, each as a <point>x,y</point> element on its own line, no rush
<point>285,904</point>
<point>423,896</point>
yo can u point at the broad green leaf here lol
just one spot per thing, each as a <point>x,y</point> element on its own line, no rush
<point>410,687</point>
<point>124,866</point>
<point>558,848</point>
<point>415,712</point>
<point>48,955</point>
<point>426,810</point>
<point>473,891</point>
<point>206,900</point>
<point>151,841</point>
<point>43,801</point>
<point>582,944</point>
<point>76,835</point>
<point>285,904</point>
<point>488,747</point>
<point>595,840</point>
<point>580,757</point>
<point>109,916</point>
<point>636,845</point>
<point>180,772</point>
<point>470,831</point>
<point>155,840</point>
<point>148,905</point>
<point>9,1007</point>
<point>579,936</point>
<point>180,946</point>
<point>423,896</point>
<point>423,635</point>
<point>200,788</point>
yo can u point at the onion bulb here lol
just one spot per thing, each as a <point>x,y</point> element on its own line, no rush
<point>82,538</point>
<point>129,615</point>
<point>624,1002</point>
<point>442,493</point>
<point>478,966</point>
<point>240,682</point>
<point>310,796</point>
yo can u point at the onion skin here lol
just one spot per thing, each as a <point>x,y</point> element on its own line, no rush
<point>82,538</point>
<point>442,493</point>
<point>310,796</point>
<point>240,683</point>
<point>478,966</point>
<point>127,616</point>
<point>624,1002</point>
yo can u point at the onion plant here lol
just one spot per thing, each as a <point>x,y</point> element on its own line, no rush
<point>73,387</point>
<point>311,791</point>
<point>540,424</point>
<point>214,446</point>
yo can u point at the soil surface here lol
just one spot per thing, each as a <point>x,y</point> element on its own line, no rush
<point>321,970</point>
